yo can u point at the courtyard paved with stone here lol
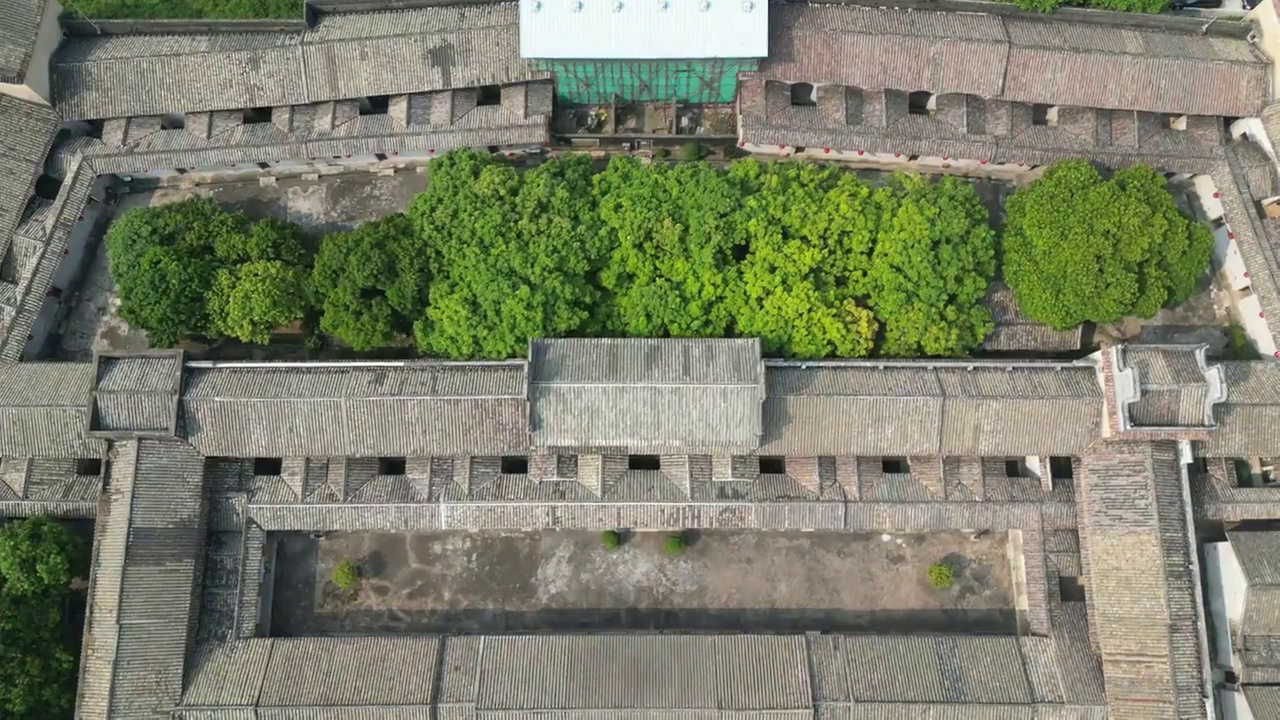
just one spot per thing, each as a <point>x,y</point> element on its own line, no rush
<point>490,582</point>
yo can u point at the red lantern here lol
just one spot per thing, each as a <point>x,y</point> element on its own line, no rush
<point>826,151</point>
<point>742,143</point>
<point>1216,196</point>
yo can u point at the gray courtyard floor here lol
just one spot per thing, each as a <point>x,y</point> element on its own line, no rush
<point>726,580</point>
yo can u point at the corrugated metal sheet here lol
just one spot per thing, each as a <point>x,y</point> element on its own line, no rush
<point>643,30</point>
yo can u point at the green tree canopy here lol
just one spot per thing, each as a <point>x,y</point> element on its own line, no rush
<point>809,231</point>
<point>37,556</point>
<point>511,255</point>
<point>368,293</point>
<point>38,559</point>
<point>171,262</point>
<point>1078,248</point>
<point>671,233</point>
<point>934,258</point>
<point>268,239</point>
<point>249,301</point>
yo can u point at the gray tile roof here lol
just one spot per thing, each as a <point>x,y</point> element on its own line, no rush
<point>390,409</point>
<point>1018,59</point>
<point>1134,530</point>
<point>43,410</point>
<point>136,395</point>
<point>18,37</point>
<point>640,393</point>
<point>969,408</point>
<point>344,56</point>
<point>26,132</point>
<point>1264,701</point>
<point>1174,391</point>
<point>39,244</point>
<point>1259,555</point>
<point>146,564</point>
<point>1248,423</point>
<point>628,677</point>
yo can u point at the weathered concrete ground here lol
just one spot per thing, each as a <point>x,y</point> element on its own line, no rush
<point>726,580</point>
<point>331,202</point>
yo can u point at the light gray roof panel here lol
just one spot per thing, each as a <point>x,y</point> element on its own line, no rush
<point>1259,555</point>
<point>44,410</point>
<point>643,393</point>
<point>922,669</point>
<point>980,408</point>
<point>617,672</point>
<point>1264,701</point>
<point>351,671</point>
<point>642,361</point>
<point>410,409</point>
<point>227,673</point>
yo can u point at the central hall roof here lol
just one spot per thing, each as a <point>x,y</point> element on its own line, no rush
<point>644,393</point>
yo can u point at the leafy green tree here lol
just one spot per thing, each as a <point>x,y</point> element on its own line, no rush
<point>268,239</point>
<point>38,559</point>
<point>37,556</point>
<point>163,262</point>
<point>934,258</point>
<point>1078,248</point>
<point>370,282</point>
<point>37,658</point>
<point>810,230</point>
<point>512,255</point>
<point>249,301</point>
<point>166,295</point>
<point>671,233</point>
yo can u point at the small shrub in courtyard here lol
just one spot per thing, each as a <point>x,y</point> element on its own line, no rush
<point>675,544</point>
<point>690,152</point>
<point>611,539</point>
<point>346,575</point>
<point>941,576</point>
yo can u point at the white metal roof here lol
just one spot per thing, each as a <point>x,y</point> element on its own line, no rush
<point>643,29</point>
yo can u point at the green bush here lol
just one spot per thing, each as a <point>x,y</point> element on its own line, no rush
<point>1079,248</point>
<point>1137,6</point>
<point>1239,346</point>
<point>675,544</point>
<point>345,575</point>
<point>212,9</point>
<point>941,576</point>
<point>690,152</point>
<point>611,539</point>
<point>661,153</point>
